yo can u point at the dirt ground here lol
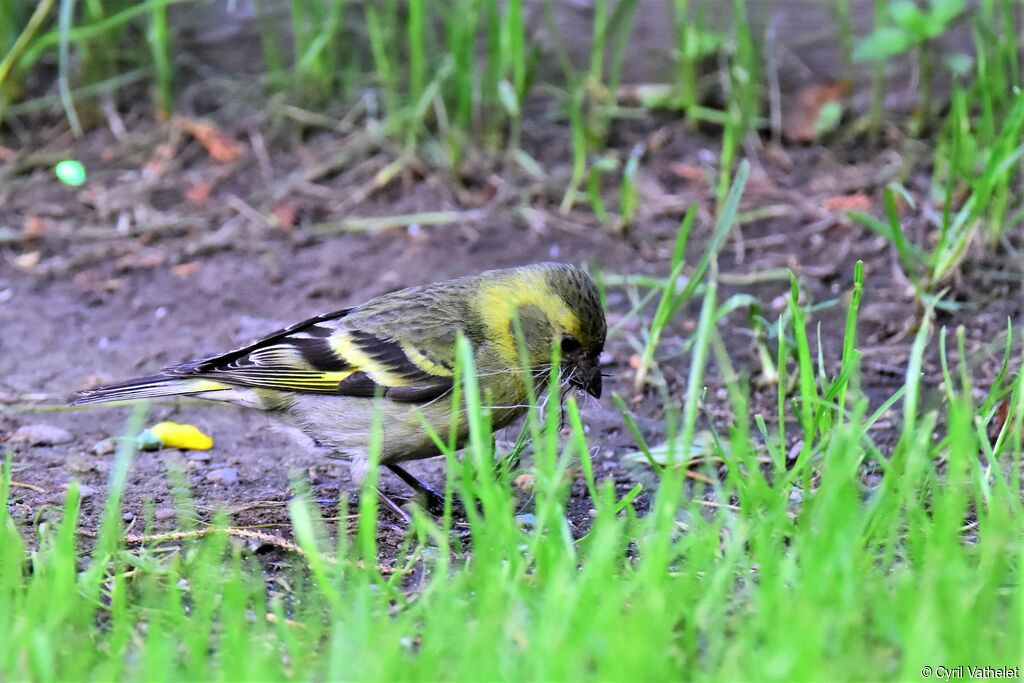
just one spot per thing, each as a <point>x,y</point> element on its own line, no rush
<point>167,254</point>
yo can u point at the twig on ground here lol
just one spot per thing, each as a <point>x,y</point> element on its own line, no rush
<point>30,487</point>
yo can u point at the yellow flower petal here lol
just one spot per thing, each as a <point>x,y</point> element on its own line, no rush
<point>188,437</point>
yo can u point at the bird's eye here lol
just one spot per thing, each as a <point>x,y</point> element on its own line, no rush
<point>570,345</point>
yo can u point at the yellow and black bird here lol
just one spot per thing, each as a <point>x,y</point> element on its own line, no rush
<point>392,360</point>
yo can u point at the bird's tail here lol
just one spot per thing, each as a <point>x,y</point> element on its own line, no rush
<point>152,386</point>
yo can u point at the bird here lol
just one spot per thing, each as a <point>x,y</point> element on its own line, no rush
<point>391,361</point>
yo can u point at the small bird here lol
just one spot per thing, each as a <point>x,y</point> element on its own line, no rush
<point>392,360</point>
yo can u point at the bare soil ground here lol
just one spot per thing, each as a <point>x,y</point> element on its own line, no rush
<point>167,254</point>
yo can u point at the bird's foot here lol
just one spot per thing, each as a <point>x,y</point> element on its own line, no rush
<point>432,501</point>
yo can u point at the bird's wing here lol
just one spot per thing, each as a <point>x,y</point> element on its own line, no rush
<point>336,353</point>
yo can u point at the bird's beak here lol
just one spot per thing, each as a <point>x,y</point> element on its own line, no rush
<point>588,379</point>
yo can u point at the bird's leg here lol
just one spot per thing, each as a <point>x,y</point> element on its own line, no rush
<point>434,500</point>
<point>394,507</point>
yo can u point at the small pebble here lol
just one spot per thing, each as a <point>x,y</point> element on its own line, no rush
<point>128,516</point>
<point>104,447</point>
<point>41,435</point>
<point>526,521</point>
<point>164,513</point>
<point>708,156</point>
<point>85,491</point>
<point>224,475</point>
<point>525,482</point>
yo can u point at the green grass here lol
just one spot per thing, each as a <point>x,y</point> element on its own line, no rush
<point>798,570</point>
<point>982,165</point>
<point>976,171</point>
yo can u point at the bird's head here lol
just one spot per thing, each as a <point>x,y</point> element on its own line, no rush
<point>581,336</point>
<point>554,304</point>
